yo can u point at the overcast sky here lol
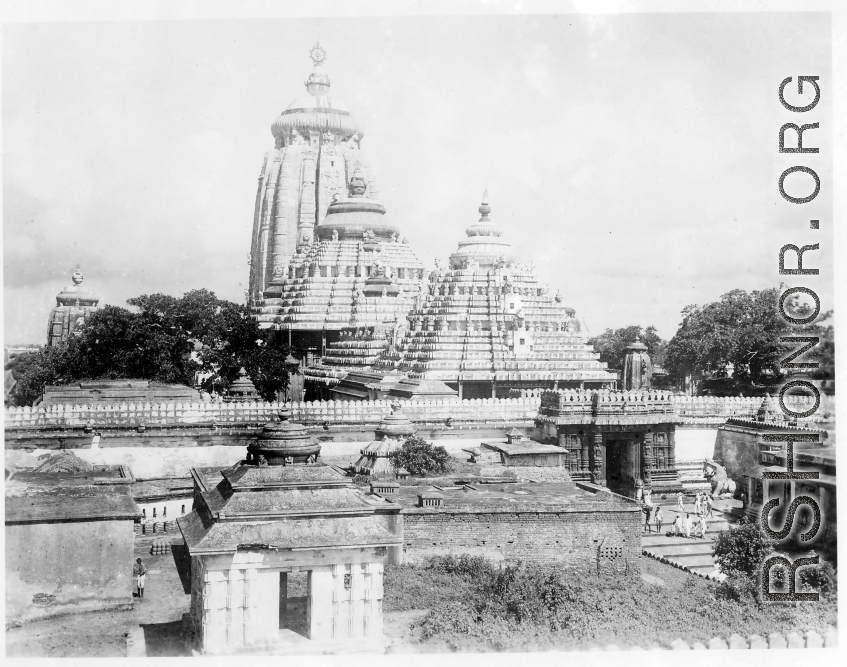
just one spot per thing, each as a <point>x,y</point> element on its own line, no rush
<point>633,158</point>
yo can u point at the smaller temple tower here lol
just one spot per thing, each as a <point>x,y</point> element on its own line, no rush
<point>73,304</point>
<point>637,367</point>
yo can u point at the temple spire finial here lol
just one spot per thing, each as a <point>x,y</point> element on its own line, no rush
<point>317,53</point>
<point>484,208</point>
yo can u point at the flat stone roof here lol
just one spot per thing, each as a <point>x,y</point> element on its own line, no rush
<point>314,474</point>
<point>516,497</point>
<point>524,447</point>
<point>99,495</point>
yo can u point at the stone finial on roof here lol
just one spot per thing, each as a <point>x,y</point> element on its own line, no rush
<point>77,276</point>
<point>484,207</point>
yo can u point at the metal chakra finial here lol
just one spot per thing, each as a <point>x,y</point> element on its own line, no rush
<point>77,276</point>
<point>317,53</point>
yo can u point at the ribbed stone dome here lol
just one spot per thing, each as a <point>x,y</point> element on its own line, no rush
<point>395,425</point>
<point>484,245</point>
<point>283,443</point>
<point>316,112</point>
<point>76,294</point>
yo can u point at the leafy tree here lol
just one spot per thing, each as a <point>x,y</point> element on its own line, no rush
<point>742,549</point>
<point>420,458</point>
<point>743,329</point>
<point>612,343</point>
<point>170,340</point>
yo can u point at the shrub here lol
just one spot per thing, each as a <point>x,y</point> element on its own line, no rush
<point>739,587</point>
<point>420,458</point>
<point>464,565</point>
<point>361,480</point>
<point>821,578</point>
<point>742,548</point>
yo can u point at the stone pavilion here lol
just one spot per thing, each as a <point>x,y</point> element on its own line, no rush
<point>286,554</point>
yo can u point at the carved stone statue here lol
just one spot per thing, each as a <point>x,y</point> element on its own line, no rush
<point>722,485</point>
<point>297,139</point>
<point>263,462</point>
<point>334,234</point>
<point>353,141</point>
<point>328,138</point>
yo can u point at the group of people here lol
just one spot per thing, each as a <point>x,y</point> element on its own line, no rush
<point>684,523</point>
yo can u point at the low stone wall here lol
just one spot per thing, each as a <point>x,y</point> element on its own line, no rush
<point>600,536</point>
<point>807,639</point>
<point>692,409</point>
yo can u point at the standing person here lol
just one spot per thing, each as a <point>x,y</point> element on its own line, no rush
<point>646,510</point>
<point>686,525</point>
<point>679,504</point>
<point>709,506</point>
<point>677,525</point>
<point>697,503</point>
<point>659,519</point>
<point>701,526</point>
<point>139,571</point>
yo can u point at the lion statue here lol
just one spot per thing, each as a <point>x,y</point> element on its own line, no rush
<point>722,485</point>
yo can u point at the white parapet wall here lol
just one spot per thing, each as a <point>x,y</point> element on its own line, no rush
<point>705,410</point>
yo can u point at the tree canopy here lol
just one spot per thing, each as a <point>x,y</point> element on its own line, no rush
<point>169,340</point>
<point>612,343</point>
<point>743,329</point>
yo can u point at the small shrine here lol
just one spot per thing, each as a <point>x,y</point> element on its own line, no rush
<point>242,389</point>
<point>388,436</point>
<point>73,304</point>
<point>637,367</point>
<point>287,555</point>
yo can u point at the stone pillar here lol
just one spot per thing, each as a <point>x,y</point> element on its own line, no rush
<point>672,448</point>
<point>460,390</point>
<point>647,460</point>
<point>323,605</point>
<point>583,453</point>
<point>598,462</point>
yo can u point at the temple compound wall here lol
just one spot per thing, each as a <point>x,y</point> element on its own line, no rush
<point>56,568</point>
<point>692,410</point>
<point>601,539</point>
<point>69,542</point>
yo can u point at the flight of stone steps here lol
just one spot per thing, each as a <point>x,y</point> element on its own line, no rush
<point>692,554</point>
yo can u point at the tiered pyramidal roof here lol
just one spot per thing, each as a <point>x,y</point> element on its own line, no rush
<point>487,318</point>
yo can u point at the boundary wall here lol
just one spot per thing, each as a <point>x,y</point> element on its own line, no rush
<point>692,410</point>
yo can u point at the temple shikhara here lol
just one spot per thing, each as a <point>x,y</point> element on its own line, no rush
<point>72,305</point>
<point>325,259</point>
<point>336,278</point>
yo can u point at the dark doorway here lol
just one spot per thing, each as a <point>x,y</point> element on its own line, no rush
<point>294,602</point>
<point>622,466</point>
<point>615,457</point>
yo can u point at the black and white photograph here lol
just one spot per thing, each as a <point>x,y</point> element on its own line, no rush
<point>373,329</point>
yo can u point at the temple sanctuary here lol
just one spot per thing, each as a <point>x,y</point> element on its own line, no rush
<point>286,554</point>
<point>484,325</point>
<point>325,262</point>
<point>72,305</point>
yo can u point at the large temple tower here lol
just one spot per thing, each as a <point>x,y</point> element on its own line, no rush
<point>315,153</point>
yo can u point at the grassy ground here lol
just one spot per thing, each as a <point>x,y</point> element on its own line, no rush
<point>470,611</point>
